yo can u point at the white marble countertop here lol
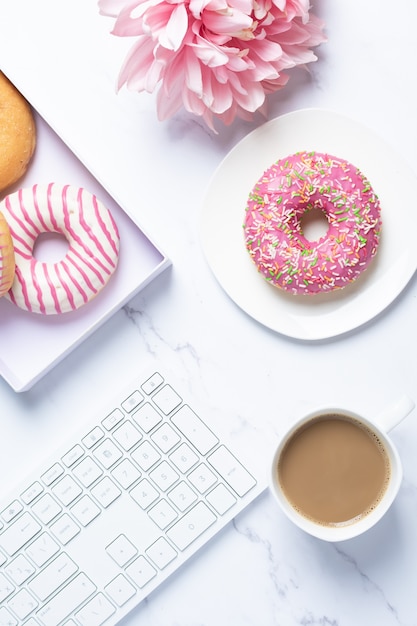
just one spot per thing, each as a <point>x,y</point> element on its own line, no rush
<point>260,570</point>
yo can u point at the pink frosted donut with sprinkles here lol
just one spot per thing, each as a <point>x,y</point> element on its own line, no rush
<point>272,227</point>
<point>93,247</point>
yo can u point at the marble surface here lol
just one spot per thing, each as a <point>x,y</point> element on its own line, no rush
<point>260,570</point>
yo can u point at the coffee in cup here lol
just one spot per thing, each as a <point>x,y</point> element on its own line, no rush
<point>335,473</point>
<point>334,469</point>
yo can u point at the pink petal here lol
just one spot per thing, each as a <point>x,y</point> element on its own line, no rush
<point>239,62</point>
<point>167,106</point>
<point>293,8</point>
<point>243,6</point>
<point>253,100</point>
<point>263,71</point>
<point>193,77</point>
<point>193,103</point>
<point>135,67</point>
<point>176,28</point>
<point>209,55</point>
<point>222,96</point>
<point>174,78</point>
<point>198,6</point>
<point>157,17</point>
<point>236,83</point>
<point>270,86</point>
<point>267,50</point>
<point>127,25</point>
<point>231,22</point>
<point>280,4</point>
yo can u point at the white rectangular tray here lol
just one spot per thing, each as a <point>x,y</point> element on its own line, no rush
<point>31,344</point>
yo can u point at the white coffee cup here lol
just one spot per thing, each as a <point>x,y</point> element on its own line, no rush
<point>380,427</point>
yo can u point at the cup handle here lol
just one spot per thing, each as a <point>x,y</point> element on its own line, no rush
<point>395,413</point>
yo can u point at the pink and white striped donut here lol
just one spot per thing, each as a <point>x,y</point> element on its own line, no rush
<point>92,256</point>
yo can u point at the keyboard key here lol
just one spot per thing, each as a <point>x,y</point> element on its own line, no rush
<point>93,437</point>
<point>72,455</point>
<point>19,533</point>
<point>221,499</point>
<point>194,429</point>
<point>66,490</point>
<point>161,553</point>
<point>126,473</point>
<point>52,474</point>
<point>165,438</point>
<point>145,456</point>
<point>32,622</point>
<point>144,494</point>
<point>121,550</point>
<point>87,471</point>
<point>46,508</point>
<point>7,619</point>
<point>42,549</point>
<point>23,603</point>
<point>191,526</point>
<point>106,492</point>
<point>182,496</point>
<point>12,510</point>
<point>132,401</point>
<point>184,458</point>
<point>162,514</point>
<point>141,571</point>
<point>127,435</point>
<point>6,587</point>
<point>152,383</point>
<point>66,601</point>
<point>19,570</point>
<point>65,529</point>
<point>166,399</point>
<point>202,478</point>
<point>85,510</point>
<point>107,453</point>
<point>96,611</point>
<point>114,418</point>
<point>32,492</point>
<point>53,576</point>
<point>147,417</point>
<point>164,476</point>
<point>120,590</point>
<point>233,472</point>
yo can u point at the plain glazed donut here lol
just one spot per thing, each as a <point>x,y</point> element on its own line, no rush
<point>17,134</point>
<point>272,226</point>
<point>7,264</point>
<point>91,258</point>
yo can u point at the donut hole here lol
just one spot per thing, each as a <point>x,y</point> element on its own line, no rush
<point>314,224</point>
<point>50,247</point>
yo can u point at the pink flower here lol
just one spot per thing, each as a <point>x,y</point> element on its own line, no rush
<point>216,58</point>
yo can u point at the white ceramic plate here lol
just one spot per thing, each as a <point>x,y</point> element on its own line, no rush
<point>325,315</point>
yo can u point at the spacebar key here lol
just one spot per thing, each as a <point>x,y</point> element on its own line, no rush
<point>66,600</point>
<point>191,526</point>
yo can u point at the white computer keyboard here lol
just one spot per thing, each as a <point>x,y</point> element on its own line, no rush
<point>116,511</point>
